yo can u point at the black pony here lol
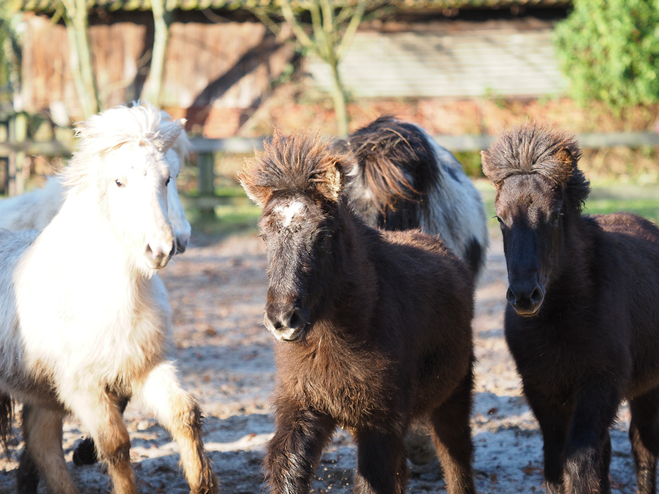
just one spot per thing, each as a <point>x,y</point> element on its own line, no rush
<point>583,317</point>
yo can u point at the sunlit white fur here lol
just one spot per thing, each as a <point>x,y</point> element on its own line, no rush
<point>456,208</point>
<point>289,211</point>
<point>82,311</point>
<point>34,210</point>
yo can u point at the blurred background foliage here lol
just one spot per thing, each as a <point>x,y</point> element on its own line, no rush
<point>609,51</point>
<point>10,52</point>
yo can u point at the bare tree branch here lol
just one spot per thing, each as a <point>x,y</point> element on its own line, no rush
<point>297,28</point>
<point>355,20</point>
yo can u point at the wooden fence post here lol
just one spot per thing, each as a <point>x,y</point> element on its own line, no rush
<point>17,134</point>
<point>206,179</point>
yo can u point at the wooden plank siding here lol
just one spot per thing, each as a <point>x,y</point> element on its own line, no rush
<point>226,65</point>
<point>463,64</point>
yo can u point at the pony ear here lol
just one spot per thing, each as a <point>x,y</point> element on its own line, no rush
<point>488,170</point>
<point>331,184</point>
<point>167,134</point>
<point>565,157</point>
<point>566,162</point>
<point>259,194</point>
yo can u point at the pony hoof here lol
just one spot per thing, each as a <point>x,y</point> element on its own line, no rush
<point>85,453</point>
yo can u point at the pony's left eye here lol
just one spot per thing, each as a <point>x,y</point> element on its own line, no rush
<point>167,181</point>
<point>554,217</point>
<point>119,183</point>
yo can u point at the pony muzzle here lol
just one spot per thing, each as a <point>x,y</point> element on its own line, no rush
<point>525,298</point>
<point>182,243</point>
<point>158,254</point>
<point>285,325</point>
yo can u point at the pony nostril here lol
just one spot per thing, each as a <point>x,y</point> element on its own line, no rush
<point>536,296</point>
<point>181,245</point>
<point>510,296</point>
<point>172,251</point>
<point>295,321</point>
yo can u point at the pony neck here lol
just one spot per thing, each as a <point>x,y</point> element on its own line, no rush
<point>572,268</point>
<point>354,290</point>
<point>82,234</point>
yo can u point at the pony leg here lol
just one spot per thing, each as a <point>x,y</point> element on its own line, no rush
<point>452,435</point>
<point>27,478</point>
<point>294,451</point>
<point>553,424</point>
<point>595,409</point>
<point>644,436</point>
<point>85,452</point>
<point>381,462</point>
<point>42,429</point>
<point>605,463</point>
<point>98,412</point>
<point>179,413</point>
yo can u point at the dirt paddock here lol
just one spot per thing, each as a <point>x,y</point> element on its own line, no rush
<point>217,290</point>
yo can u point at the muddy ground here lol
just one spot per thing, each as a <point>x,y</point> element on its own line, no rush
<point>217,290</point>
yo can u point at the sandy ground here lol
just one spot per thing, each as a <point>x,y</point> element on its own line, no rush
<point>217,290</point>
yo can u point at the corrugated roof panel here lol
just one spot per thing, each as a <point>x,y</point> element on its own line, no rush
<point>433,65</point>
<point>47,6</point>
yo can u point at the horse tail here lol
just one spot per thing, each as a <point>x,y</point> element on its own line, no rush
<point>6,420</point>
<point>395,170</point>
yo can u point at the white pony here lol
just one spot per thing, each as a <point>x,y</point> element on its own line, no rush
<point>85,320</point>
<point>34,210</point>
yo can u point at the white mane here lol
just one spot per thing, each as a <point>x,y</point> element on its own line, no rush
<point>119,126</point>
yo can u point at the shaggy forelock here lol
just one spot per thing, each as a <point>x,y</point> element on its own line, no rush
<point>118,126</point>
<point>299,164</point>
<point>535,149</point>
<point>109,130</point>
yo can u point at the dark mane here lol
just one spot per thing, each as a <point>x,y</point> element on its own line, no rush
<point>299,163</point>
<point>392,155</point>
<point>537,149</point>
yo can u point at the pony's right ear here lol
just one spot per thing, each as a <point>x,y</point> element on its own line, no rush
<point>259,194</point>
<point>486,165</point>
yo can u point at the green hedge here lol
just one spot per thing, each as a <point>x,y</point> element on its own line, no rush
<point>609,50</point>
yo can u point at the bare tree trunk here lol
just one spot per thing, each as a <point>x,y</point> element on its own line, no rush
<point>154,91</point>
<point>339,97</point>
<point>80,56</point>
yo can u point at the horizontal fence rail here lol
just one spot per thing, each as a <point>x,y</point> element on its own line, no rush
<point>13,152</point>
<point>202,145</point>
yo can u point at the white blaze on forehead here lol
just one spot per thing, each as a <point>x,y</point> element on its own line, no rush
<point>288,211</point>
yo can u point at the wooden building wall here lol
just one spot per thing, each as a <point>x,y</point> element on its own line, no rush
<point>211,68</point>
<point>471,59</point>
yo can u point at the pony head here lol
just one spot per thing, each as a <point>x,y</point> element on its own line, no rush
<point>175,158</point>
<point>298,182</point>
<point>538,190</point>
<point>120,166</point>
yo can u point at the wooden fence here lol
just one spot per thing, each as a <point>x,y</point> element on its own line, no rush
<point>14,151</point>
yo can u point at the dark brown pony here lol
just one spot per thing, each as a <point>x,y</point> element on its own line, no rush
<point>583,316</point>
<point>373,328</point>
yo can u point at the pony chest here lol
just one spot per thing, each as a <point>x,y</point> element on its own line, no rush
<point>564,354</point>
<point>346,385</point>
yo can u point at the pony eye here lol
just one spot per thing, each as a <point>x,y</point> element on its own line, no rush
<point>119,184</point>
<point>499,219</point>
<point>553,218</point>
<point>167,182</point>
